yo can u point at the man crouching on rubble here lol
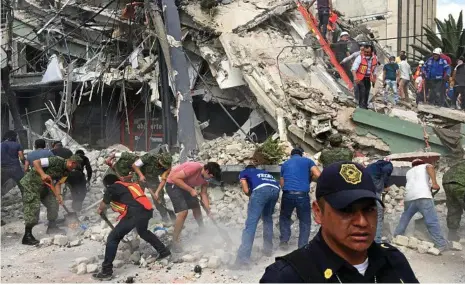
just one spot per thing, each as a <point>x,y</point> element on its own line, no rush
<point>45,170</point>
<point>135,208</point>
<point>263,190</point>
<point>180,188</point>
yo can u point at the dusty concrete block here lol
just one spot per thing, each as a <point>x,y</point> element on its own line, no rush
<point>46,241</point>
<point>214,262</point>
<point>135,257</point>
<point>126,254</point>
<point>422,248</point>
<point>60,240</point>
<point>91,268</point>
<point>96,229</point>
<point>164,262</point>
<point>434,251</point>
<point>413,243</point>
<point>80,260</point>
<point>96,237</point>
<point>118,263</point>
<point>188,258</point>
<point>75,243</point>
<point>81,269</point>
<point>401,240</point>
<point>428,244</point>
<point>456,246</point>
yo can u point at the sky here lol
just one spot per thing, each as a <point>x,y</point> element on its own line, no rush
<point>446,7</point>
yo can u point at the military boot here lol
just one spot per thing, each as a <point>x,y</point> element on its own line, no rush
<point>28,238</point>
<point>53,229</point>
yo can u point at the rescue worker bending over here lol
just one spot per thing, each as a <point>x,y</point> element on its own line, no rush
<point>363,70</point>
<point>78,183</point>
<point>48,170</point>
<point>135,210</point>
<point>122,166</point>
<point>343,251</point>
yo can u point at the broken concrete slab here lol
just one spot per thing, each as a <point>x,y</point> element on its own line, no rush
<point>401,240</point>
<point>60,240</point>
<point>434,251</point>
<point>448,113</point>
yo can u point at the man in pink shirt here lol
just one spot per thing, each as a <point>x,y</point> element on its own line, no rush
<point>180,187</point>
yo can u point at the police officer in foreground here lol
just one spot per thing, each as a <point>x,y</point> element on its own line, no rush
<point>344,250</point>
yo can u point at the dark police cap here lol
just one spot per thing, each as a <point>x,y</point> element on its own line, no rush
<point>343,183</point>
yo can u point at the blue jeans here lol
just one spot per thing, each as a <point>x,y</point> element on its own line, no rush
<point>261,204</point>
<point>379,224</point>
<point>426,207</point>
<point>391,84</point>
<point>300,202</point>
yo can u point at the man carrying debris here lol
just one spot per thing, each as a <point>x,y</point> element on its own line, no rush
<point>343,251</point>
<point>380,172</point>
<point>418,198</point>
<point>180,187</point>
<point>363,70</point>
<point>48,170</point>
<point>147,169</point>
<point>437,72</point>
<point>453,182</point>
<point>336,153</point>
<point>40,152</point>
<point>390,75</point>
<point>324,8</point>
<point>135,210</point>
<point>77,181</point>
<point>296,174</point>
<point>263,191</point>
<point>59,150</point>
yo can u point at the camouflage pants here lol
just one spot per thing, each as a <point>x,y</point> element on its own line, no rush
<point>455,204</point>
<point>161,205</point>
<point>35,193</point>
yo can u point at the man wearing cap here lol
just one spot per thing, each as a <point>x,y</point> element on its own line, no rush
<point>336,152</point>
<point>437,71</point>
<point>390,76</point>
<point>342,50</point>
<point>419,198</point>
<point>49,170</point>
<point>296,174</point>
<point>263,190</point>
<point>343,251</point>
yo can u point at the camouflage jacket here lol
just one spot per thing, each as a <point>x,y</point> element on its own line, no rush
<point>329,156</point>
<point>455,174</point>
<point>124,164</point>
<point>151,168</point>
<point>56,169</point>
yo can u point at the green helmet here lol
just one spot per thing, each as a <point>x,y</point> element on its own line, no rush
<point>335,139</point>
<point>165,159</point>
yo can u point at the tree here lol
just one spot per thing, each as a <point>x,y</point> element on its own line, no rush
<point>450,38</point>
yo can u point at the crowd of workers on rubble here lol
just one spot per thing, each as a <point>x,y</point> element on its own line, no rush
<point>349,206</point>
<point>435,81</point>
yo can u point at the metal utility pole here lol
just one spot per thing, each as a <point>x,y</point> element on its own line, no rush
<point>6,82</point>
<point>168,123</point>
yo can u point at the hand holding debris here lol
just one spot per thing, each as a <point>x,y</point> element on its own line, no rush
<point>46,178</point>
<point>142,178</point>
<point>435,186</point>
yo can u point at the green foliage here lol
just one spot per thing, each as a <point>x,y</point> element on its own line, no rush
<point>451,39</point>
<point>270,152</point>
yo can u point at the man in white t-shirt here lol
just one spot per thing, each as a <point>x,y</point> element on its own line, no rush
<point>405,73</point>
<point>418,198</point>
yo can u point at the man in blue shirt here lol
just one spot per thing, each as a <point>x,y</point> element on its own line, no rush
<point>295,181</point>
<point>390,75</point>
<point>263,190</point>
<point>380,172</point>
<point>437,72</point>
<point>39,152</point>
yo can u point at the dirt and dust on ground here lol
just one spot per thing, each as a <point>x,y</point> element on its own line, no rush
<point>72,258</point>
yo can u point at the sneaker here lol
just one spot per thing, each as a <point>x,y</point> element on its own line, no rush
<point>102,276</point>
<point>284,245</point>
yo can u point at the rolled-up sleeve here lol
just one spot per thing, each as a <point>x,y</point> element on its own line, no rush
<point>356,63</point>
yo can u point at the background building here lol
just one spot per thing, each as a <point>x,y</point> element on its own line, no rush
<point>403,21</point>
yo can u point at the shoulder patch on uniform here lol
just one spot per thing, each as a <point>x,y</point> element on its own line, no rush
<point>351,173</point>
<point>328,273</point>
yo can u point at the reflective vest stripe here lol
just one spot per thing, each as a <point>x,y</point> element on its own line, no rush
<point>134,189</point>
<point>363,68</point>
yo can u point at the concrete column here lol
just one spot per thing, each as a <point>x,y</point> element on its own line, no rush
<point>35,118</point>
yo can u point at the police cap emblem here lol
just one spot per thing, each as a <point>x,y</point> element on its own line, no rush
<point>351,173</point>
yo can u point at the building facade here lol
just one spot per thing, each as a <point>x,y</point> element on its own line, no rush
<point>402,23</point>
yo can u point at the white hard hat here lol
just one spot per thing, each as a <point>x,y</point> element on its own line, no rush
<point>421,62</point>
<point>344,34</point>
<point>437,51</point>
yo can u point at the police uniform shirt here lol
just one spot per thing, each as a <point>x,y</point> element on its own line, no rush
<point>120,194</point>
<point>317,263</point>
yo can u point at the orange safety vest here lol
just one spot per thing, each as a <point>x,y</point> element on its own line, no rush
<point>362,69</point>
<point>137,193</point>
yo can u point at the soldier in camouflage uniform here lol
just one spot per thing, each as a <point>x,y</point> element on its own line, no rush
<point>453,183</point>
<point>147,170</point>
<point>49,170</point>
<point>336,153</point>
